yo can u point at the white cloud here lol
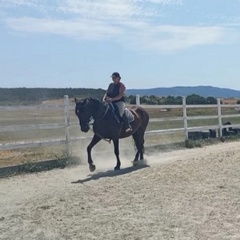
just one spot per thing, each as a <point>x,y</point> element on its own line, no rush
<point>130,22</point>
<point>172,38</point>
<point>11,3</point>
<point>165,2</point>
<point>111,9</point>
<point>93,30</point>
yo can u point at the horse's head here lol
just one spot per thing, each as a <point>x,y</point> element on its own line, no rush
<point>83,111</point>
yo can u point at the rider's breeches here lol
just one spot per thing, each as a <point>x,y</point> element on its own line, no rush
<point>121,107</point>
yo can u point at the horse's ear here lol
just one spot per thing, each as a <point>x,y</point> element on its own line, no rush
<point>75,100</point>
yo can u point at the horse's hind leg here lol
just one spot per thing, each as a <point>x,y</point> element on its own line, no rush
<point>139,142</point>
<point>135,138</point>
<point>142,150</point>
<point>94,141</point>
<point>116,151</point>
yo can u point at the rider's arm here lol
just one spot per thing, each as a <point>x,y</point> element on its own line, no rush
<point>104,97</point>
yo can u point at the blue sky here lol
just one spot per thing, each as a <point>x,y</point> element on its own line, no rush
<point>152,43</point>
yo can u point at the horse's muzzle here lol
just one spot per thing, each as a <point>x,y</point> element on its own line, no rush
<point>85,128</point>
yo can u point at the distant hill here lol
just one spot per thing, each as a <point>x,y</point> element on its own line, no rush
<point>205,91</point>
<point>25,96</point>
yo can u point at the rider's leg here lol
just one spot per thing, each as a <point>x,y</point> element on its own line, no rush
<point>121,107</point>
<point>126,123</point>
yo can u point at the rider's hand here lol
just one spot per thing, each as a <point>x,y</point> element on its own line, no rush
<point>105,99</point>
<point>108,100</point>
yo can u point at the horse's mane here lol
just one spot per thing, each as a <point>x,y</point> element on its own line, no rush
<point>94,100</point>
<point>96,103</point>
<point>83,101</point>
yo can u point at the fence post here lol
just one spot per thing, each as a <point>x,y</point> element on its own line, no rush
<point>219,117</point>
<point>67,126</point>
<point>185,117</point>
<point>138,100</point>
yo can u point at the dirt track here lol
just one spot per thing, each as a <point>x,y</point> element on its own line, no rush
<point>185,194</point>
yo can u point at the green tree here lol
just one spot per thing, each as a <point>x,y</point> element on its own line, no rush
<point>169,100</point>
<point>211,100</point>
<point>196,99</point>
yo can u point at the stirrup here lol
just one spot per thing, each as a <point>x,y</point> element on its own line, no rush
<point>128,129</point>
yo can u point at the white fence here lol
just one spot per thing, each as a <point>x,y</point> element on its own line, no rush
<point>67,124</point>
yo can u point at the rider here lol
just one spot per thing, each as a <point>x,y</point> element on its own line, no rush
<point>115,95</point>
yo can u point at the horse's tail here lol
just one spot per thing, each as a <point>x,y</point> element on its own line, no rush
<point>144,116</point>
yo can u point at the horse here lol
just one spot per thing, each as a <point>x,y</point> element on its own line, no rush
<point>105,126</point>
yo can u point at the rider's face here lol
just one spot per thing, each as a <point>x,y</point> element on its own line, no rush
<point>115,79</point>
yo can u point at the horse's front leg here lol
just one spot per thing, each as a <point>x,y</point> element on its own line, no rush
<point>116,151</point>
<point>94,141</point>
<point>136,156</point>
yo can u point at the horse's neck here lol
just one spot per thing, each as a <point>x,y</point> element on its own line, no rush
<point>99,111</point>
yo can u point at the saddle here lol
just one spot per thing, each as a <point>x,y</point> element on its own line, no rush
<point>129,114</point>
<point>116,115</point>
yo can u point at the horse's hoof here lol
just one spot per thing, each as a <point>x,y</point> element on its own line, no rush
<point>141,162</point>
<point>116,168</point>
<point>135,162</point>
<point>92,167</point>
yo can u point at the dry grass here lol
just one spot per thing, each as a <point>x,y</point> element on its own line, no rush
<point>31,155</point>
<point>46,114</point>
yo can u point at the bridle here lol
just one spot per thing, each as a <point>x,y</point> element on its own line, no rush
<point>92,120</point>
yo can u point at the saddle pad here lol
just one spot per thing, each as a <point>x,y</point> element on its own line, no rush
<point>129,115</point>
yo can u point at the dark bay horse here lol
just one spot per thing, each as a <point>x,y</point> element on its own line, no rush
<point>105,127</point>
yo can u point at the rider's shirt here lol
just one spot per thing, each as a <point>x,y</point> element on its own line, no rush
<point>113,91</point>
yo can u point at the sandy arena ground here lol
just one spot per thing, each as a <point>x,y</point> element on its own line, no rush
<point>184,194</point>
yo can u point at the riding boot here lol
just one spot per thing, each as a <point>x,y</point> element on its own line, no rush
<point>127,126</point>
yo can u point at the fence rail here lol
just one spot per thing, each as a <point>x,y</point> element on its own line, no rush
<point>67,124</point>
